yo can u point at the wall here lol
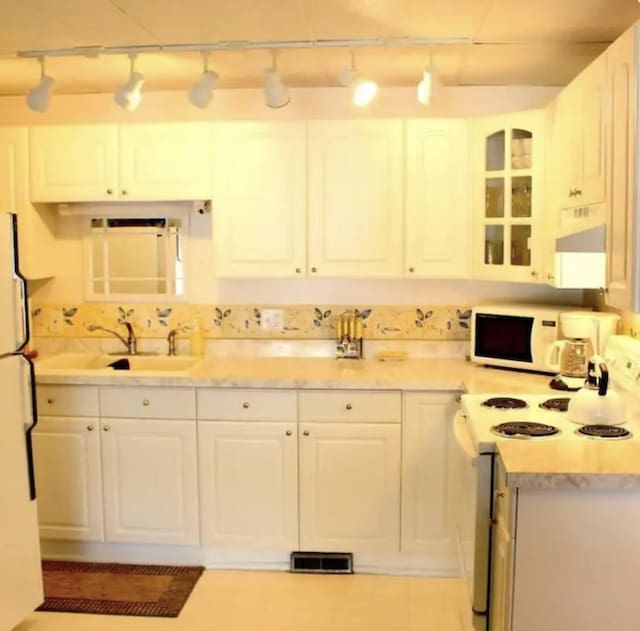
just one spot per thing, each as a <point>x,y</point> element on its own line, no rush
<point>443,297</point>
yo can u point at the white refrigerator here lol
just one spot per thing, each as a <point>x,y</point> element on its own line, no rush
<point>20,571</point>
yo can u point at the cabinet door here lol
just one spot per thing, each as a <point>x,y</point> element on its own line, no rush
<point>166,161</point>
<point>622,282</point>
<point>349,487</point>
<point>68,478</point>
<point>437,230</point>
<point>508,196</point>
<point>426,492</point>
<point>260,199</point>
<point>36,227</point>
<point>74,163</point>
<point>150,481</point>
<point>564,158</point>
<point>249,484</point>
<point>355,198</point>
<point>501,579</point>
<point>591,188</point>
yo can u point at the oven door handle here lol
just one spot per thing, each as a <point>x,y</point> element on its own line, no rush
<point>462,438</point>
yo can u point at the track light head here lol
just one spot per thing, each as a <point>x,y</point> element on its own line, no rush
<point>275,92</point>
<point>363,91</point>
<point>38,98</point>
<point>201,92</point>
<point>425,87</point>
<point>129,95</point>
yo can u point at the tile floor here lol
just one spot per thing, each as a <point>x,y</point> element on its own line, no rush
<point>279,601</point>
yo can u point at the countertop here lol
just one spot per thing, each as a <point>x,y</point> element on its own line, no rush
<point>317,373</point>
<point>571,464</point>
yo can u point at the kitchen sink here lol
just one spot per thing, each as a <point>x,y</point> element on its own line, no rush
<point>123,363</point>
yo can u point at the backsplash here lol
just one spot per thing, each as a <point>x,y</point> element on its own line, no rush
<point>309,322</point>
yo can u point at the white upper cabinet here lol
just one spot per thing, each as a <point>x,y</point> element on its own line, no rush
<point>165,161</point>
<point>438,213</point>
<point>622,275</point>
<point>82,163</point>
<point>36,226</point>
<point>74,163</point>
<point>508,196</point>
<point>356,198</point>
<point>260,199</point>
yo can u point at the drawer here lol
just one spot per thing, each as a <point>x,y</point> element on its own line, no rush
<point>350,405</point>
<point>67,400</point>
<point>247,405</point>
<point>140,402</point>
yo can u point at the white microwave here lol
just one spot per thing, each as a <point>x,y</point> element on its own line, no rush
<point>515,336</point>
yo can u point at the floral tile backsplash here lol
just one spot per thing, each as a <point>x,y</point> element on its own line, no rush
<point>421,322</point>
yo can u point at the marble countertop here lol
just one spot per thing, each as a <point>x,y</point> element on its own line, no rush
<point>318,373</point>
<point>571,464</point>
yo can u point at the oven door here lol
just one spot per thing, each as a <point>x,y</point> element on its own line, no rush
<point>472,483</point>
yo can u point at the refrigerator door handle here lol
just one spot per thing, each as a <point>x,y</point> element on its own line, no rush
<point>33,405</point>
<point>24,298</point>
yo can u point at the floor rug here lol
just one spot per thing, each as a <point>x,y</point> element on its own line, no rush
<point>117,589</point>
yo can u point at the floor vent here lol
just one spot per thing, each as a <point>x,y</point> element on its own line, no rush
<point>322,562</point>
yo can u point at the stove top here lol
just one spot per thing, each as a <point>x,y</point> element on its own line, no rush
<point>505,403</point>
<point>604,432</point>
<point>560,404</point>
<point>524,429</point>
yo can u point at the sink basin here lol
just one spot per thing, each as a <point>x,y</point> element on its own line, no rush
<point>137,363</point>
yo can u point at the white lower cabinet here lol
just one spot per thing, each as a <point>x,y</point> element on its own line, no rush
<point>426,511</point>
<point>69,478</point>
<point>150,472</point>
<point>249,484</point>
<point>349,487</point>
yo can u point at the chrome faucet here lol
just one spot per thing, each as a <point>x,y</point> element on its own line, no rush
<point>171,341</point>
<point>130,342</point>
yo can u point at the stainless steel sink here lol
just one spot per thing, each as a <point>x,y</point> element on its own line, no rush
<point>137,363</point>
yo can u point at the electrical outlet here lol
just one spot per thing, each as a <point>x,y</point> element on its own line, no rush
<point>272,320</point>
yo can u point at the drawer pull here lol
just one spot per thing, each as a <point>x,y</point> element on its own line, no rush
<point>499,494</point>
<point>106,428</point>
<point>288,432</point>
<point>51,400</point>
<point>145,402</point>
<point>90,428</point>
<point>245,405</point>
<point>458,398</point>
<point>348,406</point>
<point>305,433</point>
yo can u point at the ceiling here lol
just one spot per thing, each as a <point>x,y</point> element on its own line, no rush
<point>516,42</point>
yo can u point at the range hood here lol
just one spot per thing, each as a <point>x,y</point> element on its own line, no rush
<point>581,260</point>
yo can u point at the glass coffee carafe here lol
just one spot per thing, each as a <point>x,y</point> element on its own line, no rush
<point>575,356</point>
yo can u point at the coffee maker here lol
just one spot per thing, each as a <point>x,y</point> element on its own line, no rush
<point>586,334</point>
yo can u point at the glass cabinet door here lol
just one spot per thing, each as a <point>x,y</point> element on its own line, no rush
<point>508,198</point>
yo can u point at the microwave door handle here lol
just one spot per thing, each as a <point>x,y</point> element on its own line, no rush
<point>462,438</point>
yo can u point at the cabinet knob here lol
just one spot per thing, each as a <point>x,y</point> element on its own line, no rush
<point>499,494</point>
<point>298,270</point>
<point>305,433</point>
<point>90,428</point>
<point>245,405</point>
<point>534,274</point>
<point>51,400</point>
<point>348,406</point>
<point>412,269</point>
<point>145,402</point>
<point>109,191</point>
<point>603,291</point>
<point>458,398</point>
<point>578,192</point>
<point>106,428</point>
<point>314,270</point>
<point>125,191</point>
<point>288,432</point>
<point>550,277</point>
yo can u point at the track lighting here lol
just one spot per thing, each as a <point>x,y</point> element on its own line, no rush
<point>275,92</point>
<point>427,85</point>
<point>363,91</point>
<point>39,97</point>
<point>129,95</point>
<point>201,92</point>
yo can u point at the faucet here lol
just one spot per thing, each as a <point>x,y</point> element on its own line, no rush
<point>130,342</point>
<point>171,341</point>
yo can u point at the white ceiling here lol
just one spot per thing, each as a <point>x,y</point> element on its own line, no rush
<point>517,42</point>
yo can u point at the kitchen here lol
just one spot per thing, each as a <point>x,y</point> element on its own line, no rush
<point>254,226</point>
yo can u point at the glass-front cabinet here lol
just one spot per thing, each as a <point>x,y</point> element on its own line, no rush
<point>508,195</point>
